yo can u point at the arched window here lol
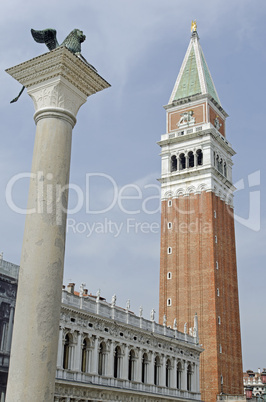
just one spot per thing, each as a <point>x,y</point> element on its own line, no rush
<point>157,371</point>
<point>191,159</point>
<point>101,358</point>
<point>85,356</point>
<point>131,365</point>
<point>220,166</point>
<point>144,371</point>
<point>169,275</point>
<point>117,362</point>
<point>189,377</point>
<point>173,163</point>
<point>182,161</point>
<point>66,354</point>
<point>168,373</point>
<point>217,162</point>
<point>199,155</point>
<point>178,375</point>
<point>225,169</point>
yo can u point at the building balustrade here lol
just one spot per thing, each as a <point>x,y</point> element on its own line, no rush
<point>104,309</point>
<point>87,378</point>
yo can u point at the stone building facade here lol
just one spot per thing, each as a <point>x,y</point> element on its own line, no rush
<point>107,353</point>
<point>8,290</point>
<point>255,383</point>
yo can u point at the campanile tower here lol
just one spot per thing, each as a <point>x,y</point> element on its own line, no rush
<point>198,271</point>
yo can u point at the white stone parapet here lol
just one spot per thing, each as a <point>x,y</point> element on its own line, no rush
<point>199,130</point>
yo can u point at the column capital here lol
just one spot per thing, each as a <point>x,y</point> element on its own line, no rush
<point>59,82</point>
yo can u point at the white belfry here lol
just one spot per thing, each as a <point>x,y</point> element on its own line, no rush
<point>59,82</point>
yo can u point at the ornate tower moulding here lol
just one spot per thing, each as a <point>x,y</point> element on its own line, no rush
<point>59,82</point>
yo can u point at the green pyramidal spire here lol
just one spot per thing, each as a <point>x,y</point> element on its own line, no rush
<point>194,77</point>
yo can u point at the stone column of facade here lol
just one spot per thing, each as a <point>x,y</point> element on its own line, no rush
<point>173,374</point>
<point>184,376</point>
<point>78,352</point>
<point>88,359</point>
<point>109,369</point>
<point>150,379</point>
<point>105,363</point>
<point>71,355</point>
<point>60,349</point>
<point>134,368</point>
<point>146,371</point>
<point>138,366</point>
<point>163,371</point>
<point>59,82</point>
<point>95,356</point>
<point>124,364</point>
<point>10,328</point>
<point>197,378</point>
<point>3,338</point>
<point>194,379</point>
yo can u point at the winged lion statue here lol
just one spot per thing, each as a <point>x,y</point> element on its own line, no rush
<point>48,37</point>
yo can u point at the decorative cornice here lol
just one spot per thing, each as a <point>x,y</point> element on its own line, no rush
<point>59,62</point>
<point>194,98</point>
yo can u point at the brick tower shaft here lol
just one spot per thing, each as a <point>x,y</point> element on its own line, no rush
<point>198,272</point>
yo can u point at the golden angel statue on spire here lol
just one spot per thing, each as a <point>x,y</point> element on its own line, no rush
<point>193,26</point>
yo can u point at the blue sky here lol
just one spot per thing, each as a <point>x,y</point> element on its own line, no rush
<point>138,46</point>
